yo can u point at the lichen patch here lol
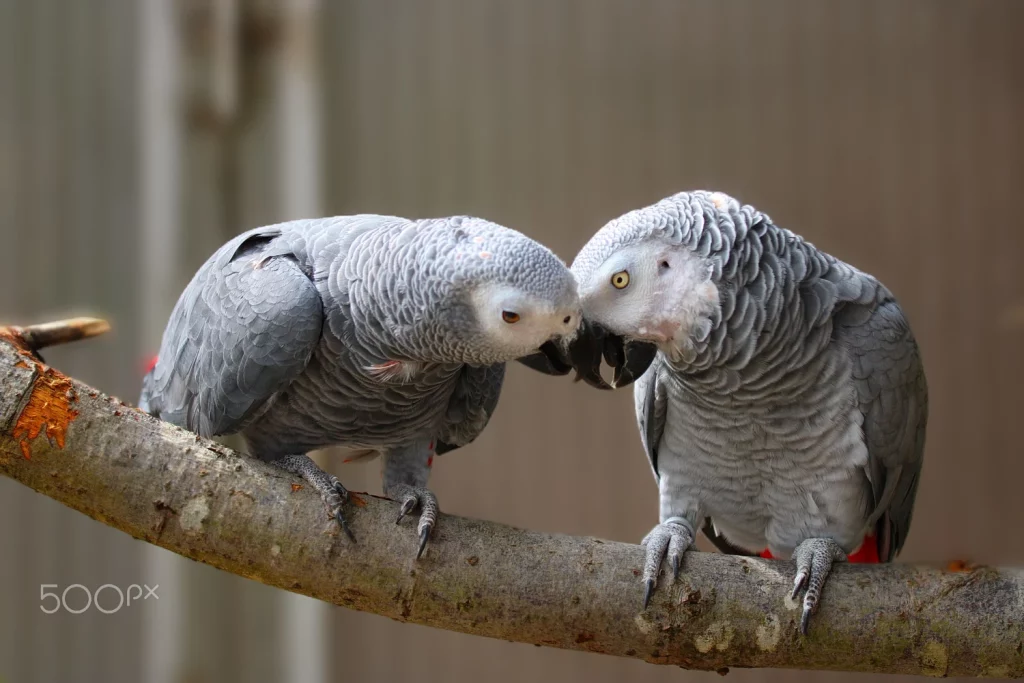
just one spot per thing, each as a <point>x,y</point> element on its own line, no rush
<point>768,633</point>
<point>643,624</point>
<point>718,636</point>
<point>934,659</point>
<point>194,514</point>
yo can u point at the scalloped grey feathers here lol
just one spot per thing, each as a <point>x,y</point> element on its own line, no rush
<point>808,373</point>
<point>275,334</point>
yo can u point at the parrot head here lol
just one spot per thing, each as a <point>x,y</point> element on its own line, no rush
<point>647,283</point>
<point>511,298</point>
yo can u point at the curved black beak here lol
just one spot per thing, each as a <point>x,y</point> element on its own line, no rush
<point>551,359</point>
<point>583,354</point>
<point>586,350</point>
<point>638,357</point>
<point>628,359</point>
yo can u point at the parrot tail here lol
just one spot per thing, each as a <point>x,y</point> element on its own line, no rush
<point>144,397</point>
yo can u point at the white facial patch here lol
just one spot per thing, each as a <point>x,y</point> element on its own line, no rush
<point>688,297</point>
<point>669,299</point>
<point>537,320</point>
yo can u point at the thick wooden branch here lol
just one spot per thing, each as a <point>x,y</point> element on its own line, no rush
<point>189,495</point>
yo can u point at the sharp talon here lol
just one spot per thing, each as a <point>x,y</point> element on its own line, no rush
<point>675,568</point>
<point>805,619</point>
<point>344,525</point>
<point>424,535</point>
<point>407,507</point>
<point>648,589</point>
<point>798,583</point>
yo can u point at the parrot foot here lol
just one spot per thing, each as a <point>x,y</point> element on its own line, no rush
<point>410,498</point>
<point>814,558</point>
<point>327,485</point>
<point>669,539</point>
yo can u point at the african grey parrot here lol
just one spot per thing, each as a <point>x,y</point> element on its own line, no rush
<point>784,402</point>
<point>385,335</point>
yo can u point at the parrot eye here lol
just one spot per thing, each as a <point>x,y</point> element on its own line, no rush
<point>510,317</point>
<point>621,279</point>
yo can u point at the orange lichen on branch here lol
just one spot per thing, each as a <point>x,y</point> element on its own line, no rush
<point>47,412</point>
<point>960,566</point>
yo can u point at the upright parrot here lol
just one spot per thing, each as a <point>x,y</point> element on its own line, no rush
<point>779,392</point>
<point>385,335</point>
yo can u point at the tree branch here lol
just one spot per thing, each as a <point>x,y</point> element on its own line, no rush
<point>166,486</point>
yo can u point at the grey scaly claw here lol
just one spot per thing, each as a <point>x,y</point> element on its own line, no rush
<point>344,525</point>
<point>648,589</point>
<point>412,497</point>
<point>425,530</point>
<point>335,498</point>
<point>407,507</point>
<point>805,620</point>
<point>671,538</point>
<point>814,558</point>
<point>798,583</point>
<point>332,493</point>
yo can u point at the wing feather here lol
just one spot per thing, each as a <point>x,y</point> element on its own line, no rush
<point>241,331</point>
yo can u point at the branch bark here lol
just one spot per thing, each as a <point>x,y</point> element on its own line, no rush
<point>194,497</point>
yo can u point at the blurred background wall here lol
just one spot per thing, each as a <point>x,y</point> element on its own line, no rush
<point>138,135</point>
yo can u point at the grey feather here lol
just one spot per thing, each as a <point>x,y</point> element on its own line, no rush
<point>471,406</point>
<point>651,402</point>
<point>243,329</point>
<point>893,396</point>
